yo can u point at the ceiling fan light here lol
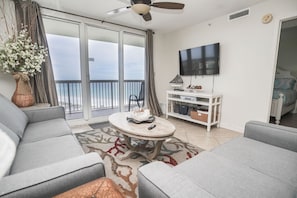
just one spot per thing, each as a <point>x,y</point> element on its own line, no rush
<point>141,8</point>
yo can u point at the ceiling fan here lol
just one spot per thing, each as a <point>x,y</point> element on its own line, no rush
<point>143,7</point>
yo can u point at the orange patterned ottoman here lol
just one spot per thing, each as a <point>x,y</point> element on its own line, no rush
<point>99,188</point>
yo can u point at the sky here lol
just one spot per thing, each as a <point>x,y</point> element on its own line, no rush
<point>103,59</point>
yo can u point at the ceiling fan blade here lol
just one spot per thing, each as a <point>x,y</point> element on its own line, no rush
<point>118,10</point>
<point>168,5</point>
<point>147,17</point>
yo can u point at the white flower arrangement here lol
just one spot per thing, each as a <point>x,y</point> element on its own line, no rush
<point>21,55</point>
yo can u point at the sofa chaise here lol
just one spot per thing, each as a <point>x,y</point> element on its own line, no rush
<point>39,155</point>
<point>261,164</point>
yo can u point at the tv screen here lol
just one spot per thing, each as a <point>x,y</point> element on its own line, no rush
<point>203,60</point>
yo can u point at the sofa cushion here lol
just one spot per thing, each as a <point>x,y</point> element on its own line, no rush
<point>270,160</point>
<point>225,178</point>
<point>11,134</point>
<point>12,117</point>
<point>48,181</point>
<point>46,129</point>
<point>44,152</point>
<point>157,179</point>
<point>277,135</point>
<point>7,153</point>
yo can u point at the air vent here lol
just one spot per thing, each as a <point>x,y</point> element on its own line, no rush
<point>239,14</point>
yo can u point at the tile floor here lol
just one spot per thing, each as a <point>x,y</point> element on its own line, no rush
<point>188,132</point>
<point>197,134</point>
<point>79,128</point>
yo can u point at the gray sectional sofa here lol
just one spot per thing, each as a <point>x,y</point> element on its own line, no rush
<point>261,164</point>
<point>46,158</point>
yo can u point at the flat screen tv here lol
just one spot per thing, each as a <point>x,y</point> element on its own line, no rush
<point>203,60</point>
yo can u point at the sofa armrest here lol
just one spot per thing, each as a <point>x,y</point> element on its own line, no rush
<point>47,113</point>
<point>53,179</point>
<point>157,179</point>
<point>281,136</point>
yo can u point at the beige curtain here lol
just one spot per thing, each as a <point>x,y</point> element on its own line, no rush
<point>43,83</point>
<point>152,101</point>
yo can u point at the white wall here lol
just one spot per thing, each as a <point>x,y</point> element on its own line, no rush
<point>7,85</point>
<point>248,49</point>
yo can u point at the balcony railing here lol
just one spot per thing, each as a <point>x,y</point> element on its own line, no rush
<point>104,94</point>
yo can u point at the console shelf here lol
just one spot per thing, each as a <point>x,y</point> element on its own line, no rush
<point>202,107</point>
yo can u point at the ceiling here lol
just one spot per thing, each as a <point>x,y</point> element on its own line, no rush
<point>195,11</point>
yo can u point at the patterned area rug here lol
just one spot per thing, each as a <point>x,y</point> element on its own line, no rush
<point>107,142</point>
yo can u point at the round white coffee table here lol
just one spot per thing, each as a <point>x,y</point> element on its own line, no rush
<point>163,130</point>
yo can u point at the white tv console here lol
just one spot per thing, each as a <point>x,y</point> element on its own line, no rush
<point>208,106</point>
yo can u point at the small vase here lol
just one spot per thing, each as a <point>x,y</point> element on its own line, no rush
<point>22,96</point>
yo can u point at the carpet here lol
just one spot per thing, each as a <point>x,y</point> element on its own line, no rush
<point>106,142</point>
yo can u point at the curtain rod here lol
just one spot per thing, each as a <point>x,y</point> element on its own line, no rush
<point>102,21</point>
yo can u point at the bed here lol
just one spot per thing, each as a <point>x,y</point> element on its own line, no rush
<point>284,95</point>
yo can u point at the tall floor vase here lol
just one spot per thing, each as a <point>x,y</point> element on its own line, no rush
<point>22,95</point>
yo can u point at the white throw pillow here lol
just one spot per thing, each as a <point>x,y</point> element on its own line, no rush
<point>7,153</point>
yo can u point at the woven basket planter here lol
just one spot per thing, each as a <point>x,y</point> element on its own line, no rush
<point>22,96</point>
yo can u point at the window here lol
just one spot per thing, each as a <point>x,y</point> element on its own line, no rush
<point>96,69</point>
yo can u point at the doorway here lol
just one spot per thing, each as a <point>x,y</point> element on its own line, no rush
<point>284,101</point>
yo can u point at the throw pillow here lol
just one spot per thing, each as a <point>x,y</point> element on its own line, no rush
<point>7,153</point>
<point>284,83</point>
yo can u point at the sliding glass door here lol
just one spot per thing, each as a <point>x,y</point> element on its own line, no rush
<point>134,67</point>
<point>64,47</point>
<point>96,69</point>
<point>115,76</point>
<point>103,51</point>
